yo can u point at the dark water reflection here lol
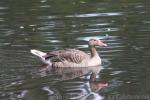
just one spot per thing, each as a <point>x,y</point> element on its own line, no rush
<point>52,24</point>
<point>75,83</point>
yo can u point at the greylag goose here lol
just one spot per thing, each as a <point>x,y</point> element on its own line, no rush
<point>72,57</point>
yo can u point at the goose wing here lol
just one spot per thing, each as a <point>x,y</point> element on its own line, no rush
<point>70,55</point>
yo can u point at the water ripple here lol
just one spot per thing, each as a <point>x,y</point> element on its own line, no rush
<point>102,37</point>
<point>96,15</point>
<point>101,30</point>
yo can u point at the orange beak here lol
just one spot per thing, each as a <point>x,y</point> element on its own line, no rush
<point>100,43</point>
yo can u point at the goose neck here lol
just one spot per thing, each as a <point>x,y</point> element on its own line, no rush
<point>93,51</point>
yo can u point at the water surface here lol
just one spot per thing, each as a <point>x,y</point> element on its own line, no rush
<point>52,24</point>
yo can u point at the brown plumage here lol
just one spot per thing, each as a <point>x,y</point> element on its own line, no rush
<point>72,57</point>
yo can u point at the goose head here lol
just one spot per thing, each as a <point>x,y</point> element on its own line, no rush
<point>96,42</point>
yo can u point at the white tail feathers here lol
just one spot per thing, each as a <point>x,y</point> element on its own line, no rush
<point>41,55</point>
<point>38,53</point>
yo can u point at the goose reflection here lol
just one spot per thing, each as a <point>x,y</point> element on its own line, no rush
<point>66,72</point>
<point>74,83</point>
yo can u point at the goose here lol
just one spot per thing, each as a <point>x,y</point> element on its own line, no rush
<point>72,57</point>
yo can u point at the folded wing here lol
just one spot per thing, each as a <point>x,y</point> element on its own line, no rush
<point>69,55</point>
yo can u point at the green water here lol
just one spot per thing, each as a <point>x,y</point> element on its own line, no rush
<point>55,24</point>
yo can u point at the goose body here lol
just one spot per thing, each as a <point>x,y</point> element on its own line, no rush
<point>72,57</point>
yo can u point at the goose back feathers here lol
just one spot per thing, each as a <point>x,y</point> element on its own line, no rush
<point>69,55</point>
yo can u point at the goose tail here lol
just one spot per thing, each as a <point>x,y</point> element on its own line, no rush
<point>41,55</point>
<point>38,53</point>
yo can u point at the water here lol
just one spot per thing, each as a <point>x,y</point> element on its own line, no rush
<point>52,24</point>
